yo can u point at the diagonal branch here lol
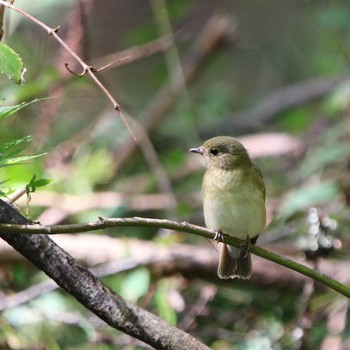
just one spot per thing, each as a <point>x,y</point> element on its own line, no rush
<point>90,292</point>
<point>178,226</point>
<point>277,102</point>
<point>85,67</point>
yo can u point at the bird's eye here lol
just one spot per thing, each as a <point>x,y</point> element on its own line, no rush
<point>214,151</point>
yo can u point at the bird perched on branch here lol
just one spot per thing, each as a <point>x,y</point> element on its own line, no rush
<point>234,201</point>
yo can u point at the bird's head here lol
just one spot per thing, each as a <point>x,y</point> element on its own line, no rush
<point>223,152</point>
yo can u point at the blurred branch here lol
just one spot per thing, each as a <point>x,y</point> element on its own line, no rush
<point>2,15</point>
<point>172,58</point>
<point>337,315</point>
<point>85,67</point>
<point>134,53</point>
<point>49,285</point>
<point>90,292</point>
<point>62,205</point>
<point>305,321</point>
<point>218,28</point>
<point>155,165</point>
<point>277,102</point>
<point>178,226</point>
<point>207,294</point>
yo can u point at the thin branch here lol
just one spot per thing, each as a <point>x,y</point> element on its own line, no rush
<point>113,63</point>
<point>171,55</point>
<point>134,53</point>
<point>178,226</point>
<point>155,165</point>
<point>86,68</point>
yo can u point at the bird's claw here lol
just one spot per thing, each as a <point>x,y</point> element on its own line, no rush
<point>219,237</point>
<point>245,246</point>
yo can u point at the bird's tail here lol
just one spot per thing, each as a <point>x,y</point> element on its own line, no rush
<point>234,263</point>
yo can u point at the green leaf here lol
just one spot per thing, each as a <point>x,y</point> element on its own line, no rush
<point>11,64</point>
<point>307,196</point>
<point>135,284</point>
<point>42,182</point>
<point>164,308</point>
<point>15,143</point>
<point>32,180</point>
<point>10,161</point>
<point>6,111</point>
<point>9,191</point>
<point>34,183</point>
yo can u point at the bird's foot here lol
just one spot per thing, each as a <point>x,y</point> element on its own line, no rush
<point>218,237</point>
<point>245,246</point>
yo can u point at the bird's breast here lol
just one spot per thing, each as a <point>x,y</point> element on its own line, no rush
<point>233,203</point>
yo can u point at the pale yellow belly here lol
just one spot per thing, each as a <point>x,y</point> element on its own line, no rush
<point>238,214</point>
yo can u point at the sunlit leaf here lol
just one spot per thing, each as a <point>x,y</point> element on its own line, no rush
<point>11,64</point>
<point>20,159</point>
<point>15,143</point>
<point>135,285</point>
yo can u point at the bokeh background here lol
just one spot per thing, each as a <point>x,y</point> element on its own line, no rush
<point>274,74</point>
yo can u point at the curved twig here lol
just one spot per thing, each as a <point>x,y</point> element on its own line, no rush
<point>86,68</point>
<point>75,73</point>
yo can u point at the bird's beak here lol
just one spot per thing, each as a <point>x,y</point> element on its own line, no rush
<point>196,150</point>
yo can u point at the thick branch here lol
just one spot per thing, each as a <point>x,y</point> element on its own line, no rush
<point>178,226</point>
<point>88,290</point>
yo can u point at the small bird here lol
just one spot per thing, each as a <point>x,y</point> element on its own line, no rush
<point>234,201</point>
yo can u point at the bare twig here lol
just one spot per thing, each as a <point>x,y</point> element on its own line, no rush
<point>112,64</point>
<point>86,68</point>
<point>134,53</point>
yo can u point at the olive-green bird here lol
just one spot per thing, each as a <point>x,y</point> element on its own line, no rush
<point>234,201</point>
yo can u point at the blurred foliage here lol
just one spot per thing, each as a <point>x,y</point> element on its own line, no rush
<point>9,152</point>
<point>279,44</point>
